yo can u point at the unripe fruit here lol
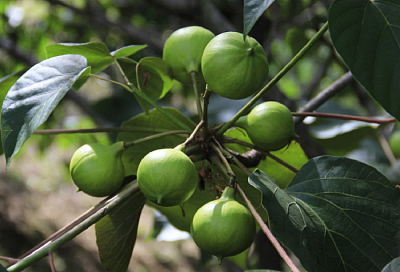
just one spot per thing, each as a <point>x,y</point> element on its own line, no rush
<point>183,51</point>
<point>234,68</point>
<point>223,227</point>
<point>97,169</point>
<point>269,126</point>
<point>394,143</point>
<point>167,177</point>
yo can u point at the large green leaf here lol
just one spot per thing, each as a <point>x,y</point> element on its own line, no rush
<point>34,96</point>
<point>367,36</point>
<point>116,233</point>
<point>253,9</point>
<point>393,266</point>
<point>337,215</point>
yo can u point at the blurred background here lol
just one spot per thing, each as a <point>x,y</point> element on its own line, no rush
<point>37,195</point>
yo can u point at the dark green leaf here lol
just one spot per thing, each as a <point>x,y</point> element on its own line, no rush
<point>337,215</point>
<point>253,9</point>
<point>34,96</point>
<point>3,269</point>
<point>393,266</point>
<point>127,51</point>
<point>367,36</point>
<point>97,54</point>
<point>116,233</point>
<point>262,271</point>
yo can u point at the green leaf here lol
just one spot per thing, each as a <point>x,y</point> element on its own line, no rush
<point>262,271</point>
<point>253,9</point>
<point>393,266</point>
<point>97,54</point>
<point>338,214</point>
<point>34,96</point>
<point>127,51</point>
<point>116,233</point>
<point>3,269</point>
<point>7,81</point>
<point>154,78</point>
<point>367,36</point>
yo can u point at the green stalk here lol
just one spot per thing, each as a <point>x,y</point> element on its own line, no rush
<point>272,83</point>
<point>102,130</point>
<point>142,95</point>
<point>193,74</point>
<point>129,191</point>
<point>155,136</point>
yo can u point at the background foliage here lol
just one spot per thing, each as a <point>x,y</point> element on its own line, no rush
<point>30,199</point>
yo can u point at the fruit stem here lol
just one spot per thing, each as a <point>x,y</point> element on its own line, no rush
<point>194,133</point>
<point>155,136</point>
<point>268,232</point>
<point>272,83</point>
<point>265,153</point>
<point>193,74</point>
<point>231,175</point>
<point>206,101</point>
<point>129,87</point>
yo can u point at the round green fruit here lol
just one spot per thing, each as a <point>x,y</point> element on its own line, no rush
<point>234,68</point>
<point>183,51</point>
<point>394,143</point>
<point>97,169</point>
<point>167,177</point>
<point>269,126</point>
<point>223,227</point>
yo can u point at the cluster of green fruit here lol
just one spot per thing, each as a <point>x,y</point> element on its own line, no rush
<point>232,67</point>
<point>168,177</point>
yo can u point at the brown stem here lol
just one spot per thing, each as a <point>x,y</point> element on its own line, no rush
<point>53,268</point>
<point>154,136</point>
<point>345,117</point>
<point>99,130</point>
<point>9,260</point>
<point>195,131</point>
<point>230,173</point>
<point>268,232</point>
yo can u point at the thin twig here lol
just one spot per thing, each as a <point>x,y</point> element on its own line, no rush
<point>9,260</point>
<point>267,232</point>
<point>152,137</point>
<point>386,149</point>
<point>193,135</point>
<point>345,117</point>
<point>53,268</point>
<point>324,96</point>
<point>102,130</point>
<point>268,154</point>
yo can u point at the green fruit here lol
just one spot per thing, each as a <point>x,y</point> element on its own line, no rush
<point>97,169</point>
<point>223,227</point>
<point>167,177</point>
<point>394,143</point>
<point>234,68</point>
<point>183,51</point>
<point>269,126</point>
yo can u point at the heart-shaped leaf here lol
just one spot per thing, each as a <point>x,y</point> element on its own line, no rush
<point>337,215</point>
<point>253,9</point>
<point>34,96</point>
<point>393,266</point>
<point>116,233</point>
<point>367,36</point>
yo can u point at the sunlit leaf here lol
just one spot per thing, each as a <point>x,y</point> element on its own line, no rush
<point>34,96</point>
<point>127,51</point>
<point>393,266</point>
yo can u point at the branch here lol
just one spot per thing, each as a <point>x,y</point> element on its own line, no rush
<point>345,117</point>
<point>324,96</point>
<point>72,230</point>
<point>144,36</point>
